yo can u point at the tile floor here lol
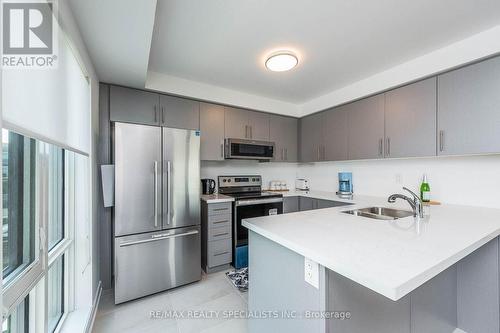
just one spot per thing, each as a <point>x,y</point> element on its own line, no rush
<point>213,293</point>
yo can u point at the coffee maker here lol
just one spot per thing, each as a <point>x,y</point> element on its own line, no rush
<point>207,186</point>
<point>345,184</point>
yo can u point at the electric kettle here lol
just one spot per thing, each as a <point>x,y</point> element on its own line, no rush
<point>208,186</point>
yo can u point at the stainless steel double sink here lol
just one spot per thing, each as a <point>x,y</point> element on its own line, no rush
<point>380,213</point>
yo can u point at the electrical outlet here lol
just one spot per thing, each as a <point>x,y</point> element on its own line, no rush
<point>399,178</point>
<point>311,272</point>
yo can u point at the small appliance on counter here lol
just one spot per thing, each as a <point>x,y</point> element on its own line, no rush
<point>207,186</point>
<point>301,184</point>
<point>345,184</point>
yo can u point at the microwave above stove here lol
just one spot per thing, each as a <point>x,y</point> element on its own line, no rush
<point>248,149</point>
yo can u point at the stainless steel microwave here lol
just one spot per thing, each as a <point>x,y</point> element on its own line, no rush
<point>248,149</point>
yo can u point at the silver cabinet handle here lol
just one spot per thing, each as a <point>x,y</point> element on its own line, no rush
<point>219,254</point>
<point>441,140</point>
<point>257,201</point>
<point>388,148</point>
<point>251,130</point>
<point>162,115</point>
<point>222,150</point>
<point>155,113</point>
<point>169,185</point>
<point>246,131</point>
<point>155,238</point>
<point>219,222</point>
<point>319,157</point>
<point>380,147</point>
<point>286,154</point>
<point>156,193</point>
<point>222,234</point>
<point>282,154</point>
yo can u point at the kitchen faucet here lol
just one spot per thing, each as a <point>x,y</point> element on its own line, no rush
<point>415,202</point>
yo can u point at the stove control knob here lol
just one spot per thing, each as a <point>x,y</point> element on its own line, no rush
<point>224,180</point>
<point>229,180</point>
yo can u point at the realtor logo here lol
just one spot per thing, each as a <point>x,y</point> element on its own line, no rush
<point>28,34</point>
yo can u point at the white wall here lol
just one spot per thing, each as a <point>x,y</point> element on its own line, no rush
<point>466,180</point>
<point>462,180</point>
<point>268,171</point>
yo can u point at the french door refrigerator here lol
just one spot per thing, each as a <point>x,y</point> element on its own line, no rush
<point>157,209</point>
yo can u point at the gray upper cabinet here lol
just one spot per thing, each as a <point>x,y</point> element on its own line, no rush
<point>283,132</point>
<point>212,132</point>
<point>311,147</point>
<point>134,106</point>
<point>179,112</point>
<point>236,123</point>
<point>259,125</point>
<point>410,120</point>
<point>366,128</point>
<point>469,109</point>
<point>245,124</point>
<point>336,132</point>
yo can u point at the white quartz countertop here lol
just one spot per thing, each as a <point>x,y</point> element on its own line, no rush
<point>391,258</point>
<point>216,198</point>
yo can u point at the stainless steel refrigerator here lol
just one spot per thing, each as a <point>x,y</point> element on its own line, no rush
<point>157,209</point>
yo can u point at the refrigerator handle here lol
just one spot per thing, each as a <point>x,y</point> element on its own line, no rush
<point>169,194</point>
<point>156,193</point>
<point>159,237</point>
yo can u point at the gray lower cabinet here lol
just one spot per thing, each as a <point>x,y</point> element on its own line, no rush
<point>366,128</point>
<point>212,132</point>
<point>311,147</point>
<point>290,205</point>
<point>216,236</point>
<point>134,106</point>
<point>283,132</point>
<point>245,124</point>
<point>469,109</point>
<point>336,133</point>
<point>179,112</point>
<point>306,203</point>
<point>410,120</point>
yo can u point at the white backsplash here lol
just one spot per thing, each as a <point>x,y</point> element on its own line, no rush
<point>462,180</point>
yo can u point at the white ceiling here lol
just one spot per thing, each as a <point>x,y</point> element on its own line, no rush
<point>225,42</point>
<point>118,37</point>
<point>215,50</point>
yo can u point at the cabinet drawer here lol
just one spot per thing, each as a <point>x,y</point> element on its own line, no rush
<point>219,252</point>
<point>219,233</point>
<point>219,208</point>
<point>217,221</point>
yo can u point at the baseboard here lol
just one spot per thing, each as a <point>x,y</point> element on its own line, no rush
<point>93,312</point>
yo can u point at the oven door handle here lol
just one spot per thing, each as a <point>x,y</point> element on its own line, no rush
<point>257,201</point>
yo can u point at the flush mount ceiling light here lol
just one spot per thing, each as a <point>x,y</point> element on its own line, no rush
<point>281,61</point>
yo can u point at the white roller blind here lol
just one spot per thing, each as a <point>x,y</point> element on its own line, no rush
<point>51,104</point>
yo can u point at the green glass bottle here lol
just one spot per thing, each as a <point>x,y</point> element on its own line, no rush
<point>425,190</point>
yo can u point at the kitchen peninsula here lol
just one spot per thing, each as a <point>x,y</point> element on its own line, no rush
<point>439,274</point>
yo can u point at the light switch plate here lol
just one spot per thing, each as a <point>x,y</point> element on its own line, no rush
<point>311,272</point>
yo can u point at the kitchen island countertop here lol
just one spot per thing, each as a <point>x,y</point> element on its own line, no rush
<point>391,258</point>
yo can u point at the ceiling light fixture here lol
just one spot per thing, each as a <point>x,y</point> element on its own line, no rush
<point>281,62</point>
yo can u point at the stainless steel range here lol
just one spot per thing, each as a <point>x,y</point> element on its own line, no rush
<point>250,201</point>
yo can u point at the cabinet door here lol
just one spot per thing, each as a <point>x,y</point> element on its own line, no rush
<point>258,123</point>
<point>134,106</point>
<point>366,128</point>
<point>306,203</point>
<point>410,120</point>
<point>321,203</point>
<point>336,134</point>
<point>236,123</point>
<point>179,112</point>
<point>290,205</point>
<point>469,109</point>
<point>311,137</point>
<point>212,132</point>
<point>283,132</point>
